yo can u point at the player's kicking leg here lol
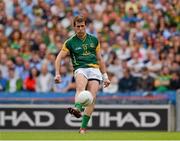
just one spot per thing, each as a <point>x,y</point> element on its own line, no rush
<point>81,82</point>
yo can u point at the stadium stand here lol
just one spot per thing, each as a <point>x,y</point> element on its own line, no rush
<point>140,41</point>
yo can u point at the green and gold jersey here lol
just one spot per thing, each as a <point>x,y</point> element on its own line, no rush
<point>82,52</point>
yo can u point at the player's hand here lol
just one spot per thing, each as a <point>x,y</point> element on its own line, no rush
<point>106,83</point>
<point>106,80</point>
<point>57,78</point>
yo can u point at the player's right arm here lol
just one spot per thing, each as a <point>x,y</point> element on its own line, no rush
<point>62,54</point>
<point>102,66</point>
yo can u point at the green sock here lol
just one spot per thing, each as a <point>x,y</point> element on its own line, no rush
<point>78,106</point>
<point>85,120</point>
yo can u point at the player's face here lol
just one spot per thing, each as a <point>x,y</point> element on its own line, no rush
<point>80,29</point>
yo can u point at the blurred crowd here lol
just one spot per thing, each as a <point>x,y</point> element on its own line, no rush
<point>140,43</point>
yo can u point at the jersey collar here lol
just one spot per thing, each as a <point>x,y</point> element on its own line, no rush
<point>83,38</point>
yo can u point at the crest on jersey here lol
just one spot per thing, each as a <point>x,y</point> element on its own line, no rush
<point>92,45</point>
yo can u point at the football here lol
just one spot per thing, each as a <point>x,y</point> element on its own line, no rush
<point>85,98</point>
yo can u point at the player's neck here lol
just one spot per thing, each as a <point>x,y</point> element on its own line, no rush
<point>82,37</point>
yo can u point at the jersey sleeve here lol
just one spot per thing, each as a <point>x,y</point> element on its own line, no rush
<point>65,47</point>
<point>98,47</point>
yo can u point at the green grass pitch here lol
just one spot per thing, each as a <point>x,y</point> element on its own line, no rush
<point>91,135</point>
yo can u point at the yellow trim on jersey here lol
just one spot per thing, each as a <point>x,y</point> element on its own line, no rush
<point>98,47</point>
<point>93,65</point>
<point>64,48</point>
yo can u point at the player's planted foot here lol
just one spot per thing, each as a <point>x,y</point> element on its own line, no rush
<point>74,112</point>
<point>82,131</point>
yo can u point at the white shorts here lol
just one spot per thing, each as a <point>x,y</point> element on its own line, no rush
<point>89,73</point>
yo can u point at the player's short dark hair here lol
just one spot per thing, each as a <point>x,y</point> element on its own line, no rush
<point>79,19</point>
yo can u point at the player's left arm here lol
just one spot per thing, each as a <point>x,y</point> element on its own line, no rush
<point>102,66</point>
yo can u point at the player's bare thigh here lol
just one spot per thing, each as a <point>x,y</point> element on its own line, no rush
<point>93,87</point>
<point>81,82</point>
